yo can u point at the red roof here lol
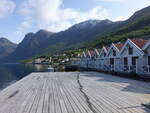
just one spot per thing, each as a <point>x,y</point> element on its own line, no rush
<point>107,48</point>
<point>91,52</point>
<point>97,51</point>
<point>139,42</point>
<point>119,45</point>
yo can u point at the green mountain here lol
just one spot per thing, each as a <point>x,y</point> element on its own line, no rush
<point>137,26</point>
<point>78,34</point>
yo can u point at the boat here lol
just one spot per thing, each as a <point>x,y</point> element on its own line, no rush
<point>51,69</point>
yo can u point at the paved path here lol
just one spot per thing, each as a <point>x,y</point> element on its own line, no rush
<point>75,92</point>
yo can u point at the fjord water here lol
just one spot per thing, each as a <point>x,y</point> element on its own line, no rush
<point>10,73</point>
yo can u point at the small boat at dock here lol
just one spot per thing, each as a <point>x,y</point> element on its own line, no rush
<point>51,69</point>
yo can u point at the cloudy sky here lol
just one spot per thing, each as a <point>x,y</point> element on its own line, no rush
<point>18,17</point>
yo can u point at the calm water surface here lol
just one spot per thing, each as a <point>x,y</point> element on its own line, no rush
<point>10,73</point>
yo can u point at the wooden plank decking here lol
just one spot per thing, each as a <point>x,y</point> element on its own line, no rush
<point>75,92</point>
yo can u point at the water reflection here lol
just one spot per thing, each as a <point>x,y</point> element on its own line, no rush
<point>12,72</point>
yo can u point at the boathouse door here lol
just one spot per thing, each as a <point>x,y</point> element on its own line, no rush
<point>125,63</point>
<point>134,64</point>
<point>149,60</point>
<point>148,63</point>
<point>112,63</point>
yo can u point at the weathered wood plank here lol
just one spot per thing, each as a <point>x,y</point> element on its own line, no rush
<point>60,92</point>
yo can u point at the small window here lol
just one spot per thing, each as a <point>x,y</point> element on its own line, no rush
<point>148,60</point>
<point>104,54</point>
<point>125,61</point>
<point>130,50</point>
<point>111,61</point>
<point>134,60</point>
<point>114,53</point>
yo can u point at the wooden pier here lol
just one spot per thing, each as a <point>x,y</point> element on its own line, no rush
<point>75,92</point>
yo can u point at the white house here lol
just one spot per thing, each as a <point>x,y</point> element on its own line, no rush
<point>87,59</point>
<point>146,60</point>
<point>131,56</point>
<point>84,60</point>
<point>113,58</point>
<point>75,61</point>
<point>91,60</point>
<point>102,59</point>
<point>96,58</point>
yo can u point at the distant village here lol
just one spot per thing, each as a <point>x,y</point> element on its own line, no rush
<point>70,58</point>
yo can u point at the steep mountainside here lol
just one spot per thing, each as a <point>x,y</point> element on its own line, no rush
<point>138,26</point>
<point>6,47</point>
<point>31,45</point>
<point>79,34</point>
